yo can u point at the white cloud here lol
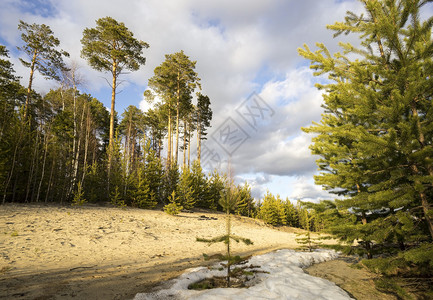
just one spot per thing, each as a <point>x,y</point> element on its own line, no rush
<point>303,188</point>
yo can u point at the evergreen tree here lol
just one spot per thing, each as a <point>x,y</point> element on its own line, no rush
<point>173,207</point>
<point>154,120</point>
<point>111,47</point>
<point>216,183</point>
<point>171,183</point>
<point>272,210</point>
<point>11,95</point>
<point>203,116</point>
<point>291,213</point>
<point>199,186</point>
<point>174,81</point>
<point>132,128</point>
<point>154,172</point>
<point>40,47</point>
<point>375,137</point>
<point>141,195</point>
<point>186,192</point>
<point>245,205</point>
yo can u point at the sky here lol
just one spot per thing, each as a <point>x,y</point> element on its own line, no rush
<point>262,92</point>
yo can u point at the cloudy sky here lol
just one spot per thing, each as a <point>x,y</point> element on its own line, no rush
<point>262,91</point>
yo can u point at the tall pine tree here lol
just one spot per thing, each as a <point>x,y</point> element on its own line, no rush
<point>375,138</point>
<point>112,47</point>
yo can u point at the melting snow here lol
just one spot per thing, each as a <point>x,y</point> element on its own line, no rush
<point>286,280</point>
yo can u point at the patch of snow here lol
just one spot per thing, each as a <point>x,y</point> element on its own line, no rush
<point>286,280</point>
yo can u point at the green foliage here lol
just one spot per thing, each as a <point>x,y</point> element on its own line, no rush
<point>112,47</point>
<point>141,194</point>
<point>40,44</point>
<point>203,114</point>
<point>100,50</point>
<point>171,181</point>
<point>291,213</point>
<point>199,186</point>
<point>173,208</point>
<point>79,196</point>
<point>374,137</point>
<point>245,205</point>
<point>421,256</point>
<point>96,179</point>
<point>272,210</point>
<point>186,188</point>
<point>388,285</point>
<point>229,199</point>
<point>116,162</point>
<point>225,239</point>
<point>215,183</point>
<point>116,199</point>
<point>174,81</point>
<point>309,243</point>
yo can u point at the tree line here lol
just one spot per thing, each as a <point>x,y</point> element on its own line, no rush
<point>56,145</point>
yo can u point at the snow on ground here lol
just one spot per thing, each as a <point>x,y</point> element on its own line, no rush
<point>286,280</point>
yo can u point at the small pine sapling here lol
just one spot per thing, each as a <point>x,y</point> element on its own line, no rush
<point>173,208</point>
<point>116,200</point>
<point>228,200</point>
<point>309,243</point>
<point>78,196</point>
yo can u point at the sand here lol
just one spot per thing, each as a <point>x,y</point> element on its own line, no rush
<point>94,252</point>
<point>54,252</point>
<point>357,282</point>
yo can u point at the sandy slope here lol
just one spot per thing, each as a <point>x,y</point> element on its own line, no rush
<point>53,252</point>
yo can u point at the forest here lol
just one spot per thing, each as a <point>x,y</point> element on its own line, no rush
<point>374,142</point>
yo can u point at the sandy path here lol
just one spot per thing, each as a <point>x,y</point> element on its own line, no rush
<point>53,252</point>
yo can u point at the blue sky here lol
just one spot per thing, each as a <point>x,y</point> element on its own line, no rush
<point>241,48</point>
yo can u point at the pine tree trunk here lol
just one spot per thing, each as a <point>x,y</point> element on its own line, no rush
<point>364,222</point>
<point>228,246</point>
<point>29,88</point>
<point>189,146</point>
<point>36,172</point>
<point>32,167</point>
<point>77,154</point>
<point>198,138</point>
<point>184,144</point>
<point>159,148</point>
<point>74,145</point>
<point>50,181</point>
<point>169,140</point>
<point>86,146</point>
<point>424,202</point>
<point>43,167</point>
<point>112,112</point>
<point>177,124</point>
<point>426,207</point>
<point>367,243</point>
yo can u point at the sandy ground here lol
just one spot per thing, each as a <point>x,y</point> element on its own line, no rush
<point>90,252</point>
<point>357,282</point>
